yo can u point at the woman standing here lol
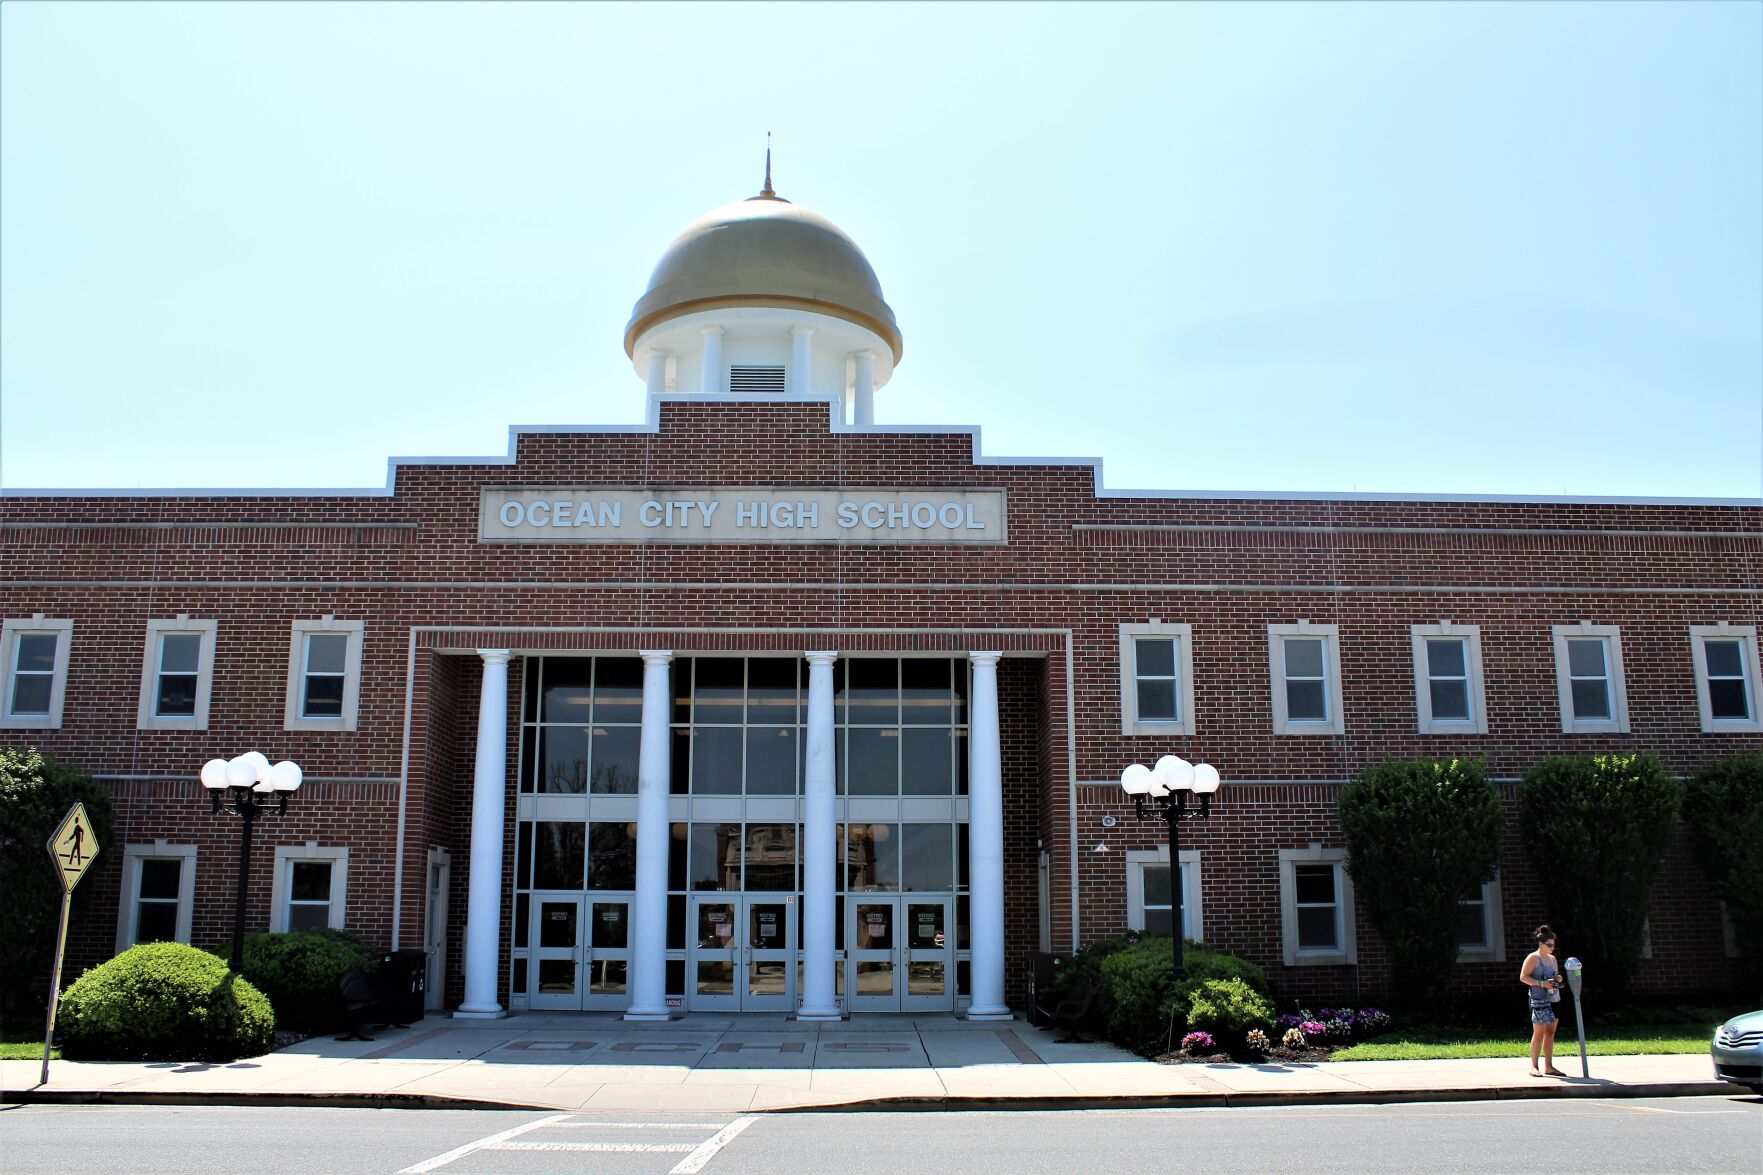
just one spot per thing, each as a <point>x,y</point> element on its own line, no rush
<point>1543,977</point>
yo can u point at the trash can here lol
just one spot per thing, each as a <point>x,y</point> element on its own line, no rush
<point>403,982</point>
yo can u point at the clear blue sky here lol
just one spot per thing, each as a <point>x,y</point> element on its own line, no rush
<point>1476,248</point>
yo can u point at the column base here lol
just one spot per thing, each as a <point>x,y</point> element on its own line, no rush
<point>652,1017</point>
<point>491,1013</point>
<point>1000,1012</point>
<point>819,1015</point>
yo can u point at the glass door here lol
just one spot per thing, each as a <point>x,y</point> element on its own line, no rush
<point>556,954</point>
<point>713,957</point>
<point>873,941</point>
<point>769,970</point>
<point>608,954</point>
<point>929,955</point>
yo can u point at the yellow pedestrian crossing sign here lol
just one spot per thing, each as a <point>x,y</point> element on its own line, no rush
<point>73,846</point>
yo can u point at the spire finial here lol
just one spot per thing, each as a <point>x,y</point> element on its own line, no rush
<point>766,190</point>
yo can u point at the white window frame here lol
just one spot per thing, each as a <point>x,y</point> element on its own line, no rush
<point>1493,922</point>
<point>10,632</point>
<point>1611,634</point>
<point>1330,635</point>
<point>1182,635</point>
<point>1348,953</point>
<point>1746,635</point>
<point>1470,635</point>
<point>282,889</point>
<point>292,719</point>
<point>128,910</point>
<point>1193,915</point>
<point>145,718</point>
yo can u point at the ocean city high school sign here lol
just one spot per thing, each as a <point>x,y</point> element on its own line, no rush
<point>739,514</point>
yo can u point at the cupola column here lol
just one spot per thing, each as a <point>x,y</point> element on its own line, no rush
<point>801,361</point>
<point>657,372</point>
<point>863,408</point>
<point>712,378</point>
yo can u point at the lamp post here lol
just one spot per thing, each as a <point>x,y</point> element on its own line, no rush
<point>1167,787</point>
<point>248,787</point>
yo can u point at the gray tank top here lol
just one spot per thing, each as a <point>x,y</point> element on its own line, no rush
<point>1545,971</point>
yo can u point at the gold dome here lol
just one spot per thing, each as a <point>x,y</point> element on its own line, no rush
<point>764,251</point>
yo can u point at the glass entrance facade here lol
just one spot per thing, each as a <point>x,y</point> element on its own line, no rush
<point>734,862</point>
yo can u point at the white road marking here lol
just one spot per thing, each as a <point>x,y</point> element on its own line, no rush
<point>694,1162</point>
<point>592,1125</point>
<point>610,1147</point>
<point>1662,1109</point>
<point>459,1152</point>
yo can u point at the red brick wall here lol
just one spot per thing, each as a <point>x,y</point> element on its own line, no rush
<point>1075,564</point>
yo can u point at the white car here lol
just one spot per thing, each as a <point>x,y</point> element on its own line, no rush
<point>1738,1051</point>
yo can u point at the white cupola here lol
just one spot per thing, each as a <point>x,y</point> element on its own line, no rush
<point>763,296</point>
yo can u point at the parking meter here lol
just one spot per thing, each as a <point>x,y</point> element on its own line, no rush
<point>1571,967</point>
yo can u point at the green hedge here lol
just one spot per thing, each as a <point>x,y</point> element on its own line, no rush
<point>1137,997</point>
<point>1723,806</point>
<point>164,1001</point>
<point>300,971</point>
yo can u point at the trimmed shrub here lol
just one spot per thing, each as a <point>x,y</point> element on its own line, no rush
<point>1141,1001</point>
<point>35,793</point>
<point>1596,828</point>
<point>1421,835</point>
<point>1723,806</point>
<point>1228,1008</point>
<point>301,972</point>
<point>164,1001</point>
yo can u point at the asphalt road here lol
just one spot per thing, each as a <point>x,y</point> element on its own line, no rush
<point>1722,1134</point>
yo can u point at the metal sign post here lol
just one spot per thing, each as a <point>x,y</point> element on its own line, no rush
<point>71,847</point>
<point>1572,969</point>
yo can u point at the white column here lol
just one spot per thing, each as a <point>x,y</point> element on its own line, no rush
<point>657,372</point>
<point>819,847</point>
<point>985,836</point>
<point>801,361</point>
<point>863,411</point>
<point>648,990</point>
<point>711,378</point>
<point>483,910</point>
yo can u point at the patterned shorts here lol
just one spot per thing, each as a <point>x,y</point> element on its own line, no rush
<point>1542,1014</point>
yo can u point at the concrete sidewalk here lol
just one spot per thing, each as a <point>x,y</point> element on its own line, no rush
<point>759,1063</point>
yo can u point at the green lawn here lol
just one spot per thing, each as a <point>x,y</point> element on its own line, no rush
<point>19,1047</point>
<point>1627,1041</point>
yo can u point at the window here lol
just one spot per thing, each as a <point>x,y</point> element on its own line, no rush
<point>1482,937</point>
<point>1316,907</point>
<point>1727,683</point>
<point>324,675</point>
<point>158,890</point>
<point>1150,902</point>
<point>1305,664</point>
<point>1588,678</point>
<point>1448,694</point>
<point>176,674</point>
<point>33,655</point>
<point>1156,678</point>
<point>311,883</point>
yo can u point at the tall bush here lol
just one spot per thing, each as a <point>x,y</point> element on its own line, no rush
<point>301,972</point>
<point>35,793</point>
<point>1596,828</point>
<point>1421,836</point>
<point>164,1001</point>
<point>1723,807</point>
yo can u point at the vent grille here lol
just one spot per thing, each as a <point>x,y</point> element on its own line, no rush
<point>756,379</point>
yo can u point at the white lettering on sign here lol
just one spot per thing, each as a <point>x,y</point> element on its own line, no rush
<point>739,514</point>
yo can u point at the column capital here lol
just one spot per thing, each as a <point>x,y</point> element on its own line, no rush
<point>821,658</point>
<point>985,658</point>
<point>797,332</point>
<point>865,353</point>
<point>712,329</point>
<point>655,656</point>
<point>495,656</point>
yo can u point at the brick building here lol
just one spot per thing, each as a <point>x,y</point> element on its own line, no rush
<point>762,705</point>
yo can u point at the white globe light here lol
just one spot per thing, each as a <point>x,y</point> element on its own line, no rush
<point>240,772</point>
<point>1177,773</point>
<point>266,786</point>
<point>214,774</point>
<point>286,775</point>
<point>259,763</point>
<point>1205,779</point>
<point>1136,779</point>
<point>1159,786</point>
